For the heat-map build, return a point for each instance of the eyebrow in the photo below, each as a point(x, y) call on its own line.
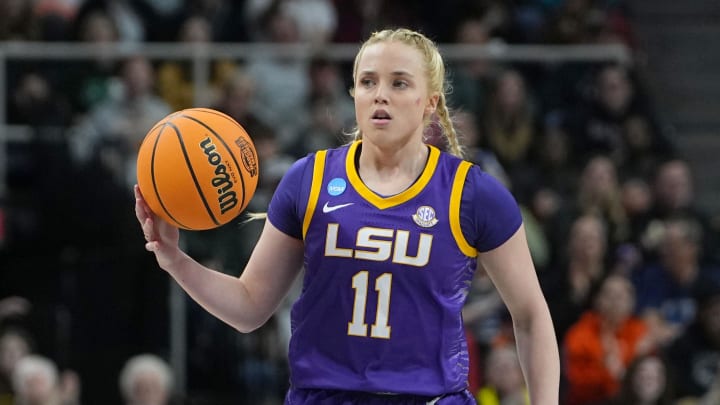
point(393, 73)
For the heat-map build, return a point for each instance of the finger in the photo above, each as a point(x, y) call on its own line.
point(148, 229)
point(140, 212)
point(141, 200)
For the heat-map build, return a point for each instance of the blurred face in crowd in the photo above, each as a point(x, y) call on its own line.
point(284, 29)
point(615, 89)
point(149, 389)
point(679, 252)
point(636, 196)
point(673, 186)
point(196, 29)
point(391, 93)
point(503, 370)
point(138, 75)
point(599, 177)
point(98, 28)
point(649, 379)
point(615, 300)
point(37, 389)
point(587, 239)
point(511, 91)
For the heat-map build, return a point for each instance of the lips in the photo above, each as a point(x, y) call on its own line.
point(380, 118)
point(381, 115)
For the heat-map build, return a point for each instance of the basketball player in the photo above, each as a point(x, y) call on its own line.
point(389, 231)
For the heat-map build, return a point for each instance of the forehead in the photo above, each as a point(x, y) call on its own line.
point(390, 57)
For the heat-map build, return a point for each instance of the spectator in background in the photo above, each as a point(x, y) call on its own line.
point(617, 122)
point(553, 160)
point(227, 18)
point(673, 196)
point(483, 313)
point(35, 381)
point(146, 379)
point(695, 355)
point(88, 82)
point(665, 288)
point(123, 14)
point(317, 19)
point(573, 280)
point(331, 109)
point(598, 193)
point(35, 102)
point(637, 201)
point(113, 130)
point(647, 381)
point(504, 384)
point(600, 346)
point(174, 78)
point(15, 344)
point(281, 83)
point(509, 123)
point(471, 136)
point(472, 80)
point(17, 21)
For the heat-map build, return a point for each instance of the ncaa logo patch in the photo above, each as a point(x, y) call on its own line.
point(425, 216)
point(336, 186)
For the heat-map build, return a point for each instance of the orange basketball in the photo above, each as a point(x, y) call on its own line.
point(197, 169)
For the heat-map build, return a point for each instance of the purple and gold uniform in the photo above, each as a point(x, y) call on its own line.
point(386, 276)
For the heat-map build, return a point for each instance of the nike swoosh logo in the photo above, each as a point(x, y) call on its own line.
point(327, 208)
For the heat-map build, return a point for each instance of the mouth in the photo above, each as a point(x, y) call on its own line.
point(380, 117)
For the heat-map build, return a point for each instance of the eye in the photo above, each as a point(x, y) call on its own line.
point(400, 84)
point(366, 82)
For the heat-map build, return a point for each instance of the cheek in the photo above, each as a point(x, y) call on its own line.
point(418, 101)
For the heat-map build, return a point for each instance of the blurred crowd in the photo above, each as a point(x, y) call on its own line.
point(627, 259)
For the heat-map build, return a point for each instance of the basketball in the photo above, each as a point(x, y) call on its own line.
point(197, 169)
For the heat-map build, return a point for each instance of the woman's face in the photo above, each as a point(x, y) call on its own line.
point(391, 94)
point(649, 380)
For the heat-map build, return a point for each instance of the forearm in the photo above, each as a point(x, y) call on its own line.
point(222, 295)
point(539, 356)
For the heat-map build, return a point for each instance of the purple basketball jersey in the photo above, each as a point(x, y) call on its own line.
point(385, 282)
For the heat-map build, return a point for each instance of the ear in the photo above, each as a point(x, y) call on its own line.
point(432, 103)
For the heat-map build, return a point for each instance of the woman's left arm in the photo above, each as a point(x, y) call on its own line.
point(513, 273)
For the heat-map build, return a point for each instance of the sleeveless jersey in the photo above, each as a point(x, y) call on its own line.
point(385, 282)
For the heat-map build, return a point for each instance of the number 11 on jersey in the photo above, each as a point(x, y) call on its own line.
point(383, 285)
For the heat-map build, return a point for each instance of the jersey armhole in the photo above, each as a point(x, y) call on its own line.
point(455, 199)
point(317, 181)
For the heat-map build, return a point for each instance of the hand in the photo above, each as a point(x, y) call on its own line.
point(161, 237)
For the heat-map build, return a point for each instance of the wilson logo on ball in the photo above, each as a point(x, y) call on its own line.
point(248, 156)
point(222, 182)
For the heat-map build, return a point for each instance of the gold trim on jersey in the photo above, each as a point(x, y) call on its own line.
point(455, 197)
point(397, 199)
point(317, 181)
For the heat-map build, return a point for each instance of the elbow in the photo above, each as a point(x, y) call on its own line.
point(246, 328)
point(532, 315)
point(249, 325)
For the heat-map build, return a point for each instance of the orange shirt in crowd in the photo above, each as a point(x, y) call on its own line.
point(588, 377)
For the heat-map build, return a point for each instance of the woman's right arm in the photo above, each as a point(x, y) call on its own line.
point(245, 303)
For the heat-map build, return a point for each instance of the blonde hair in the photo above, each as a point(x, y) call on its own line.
point(31, 366)
point(144, 363)
point(435, 70)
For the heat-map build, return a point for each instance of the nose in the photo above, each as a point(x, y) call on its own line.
point(381, 95)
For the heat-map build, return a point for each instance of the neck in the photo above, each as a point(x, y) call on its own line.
point(390, 170)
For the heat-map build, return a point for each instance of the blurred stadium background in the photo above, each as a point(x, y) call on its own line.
point(577, 105)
